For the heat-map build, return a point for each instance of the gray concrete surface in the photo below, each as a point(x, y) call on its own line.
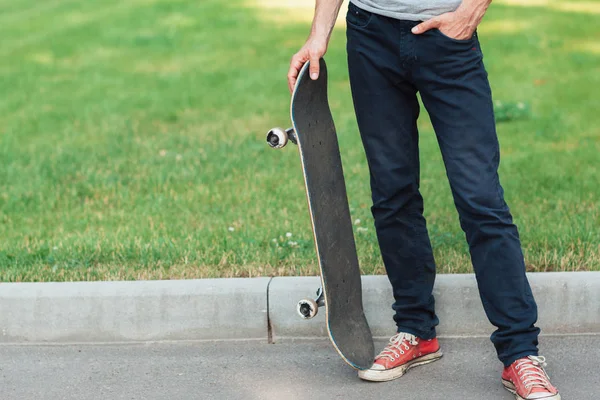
point(289, 370)
point(567, 302)
point(140, 310)
point(237, 308)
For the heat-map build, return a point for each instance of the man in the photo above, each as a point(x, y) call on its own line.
point(397, 48)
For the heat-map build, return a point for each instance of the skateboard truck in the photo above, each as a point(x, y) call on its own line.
point(308, 308)
point(278, 137)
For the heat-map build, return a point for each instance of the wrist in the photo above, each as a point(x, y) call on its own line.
point(474, 5)
point(319, 35)
point(319, 39)
point(473, 11)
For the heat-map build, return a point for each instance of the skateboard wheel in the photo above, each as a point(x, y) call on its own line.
point(307, 308)
point(277, 138)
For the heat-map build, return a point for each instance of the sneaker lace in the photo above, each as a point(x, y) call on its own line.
point(397, 346)
point(532, 374)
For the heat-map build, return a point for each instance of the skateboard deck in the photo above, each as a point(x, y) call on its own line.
point(314, 132)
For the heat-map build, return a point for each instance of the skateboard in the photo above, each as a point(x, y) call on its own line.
point(340, 293)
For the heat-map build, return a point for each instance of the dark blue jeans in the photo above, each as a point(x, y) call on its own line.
point(388, 65)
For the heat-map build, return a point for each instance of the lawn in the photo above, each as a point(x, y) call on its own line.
point(132, 140)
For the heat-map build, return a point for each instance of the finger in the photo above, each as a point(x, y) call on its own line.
point(314, 66)
point(426, 25)
point(295, 66)
point(291, 81)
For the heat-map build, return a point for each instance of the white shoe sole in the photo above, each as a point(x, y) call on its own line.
point(508, 385)
point(394, 373)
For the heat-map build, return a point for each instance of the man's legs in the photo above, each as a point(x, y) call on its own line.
point(454, 87)
point(387, 109)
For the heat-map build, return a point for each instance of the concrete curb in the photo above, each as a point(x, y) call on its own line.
point(260, 308)
point(133, 311)
point(568, 302)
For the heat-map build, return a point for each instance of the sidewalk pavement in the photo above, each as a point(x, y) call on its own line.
point(287, 370)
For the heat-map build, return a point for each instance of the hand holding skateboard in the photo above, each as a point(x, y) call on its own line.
point(311, 52)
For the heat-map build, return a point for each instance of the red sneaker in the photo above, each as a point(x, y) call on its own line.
point(527, 379)
point(403, 352)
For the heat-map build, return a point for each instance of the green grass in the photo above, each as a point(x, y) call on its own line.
point(132, 141)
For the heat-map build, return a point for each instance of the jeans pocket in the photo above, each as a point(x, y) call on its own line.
point(446, 37)
point(358, 17)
